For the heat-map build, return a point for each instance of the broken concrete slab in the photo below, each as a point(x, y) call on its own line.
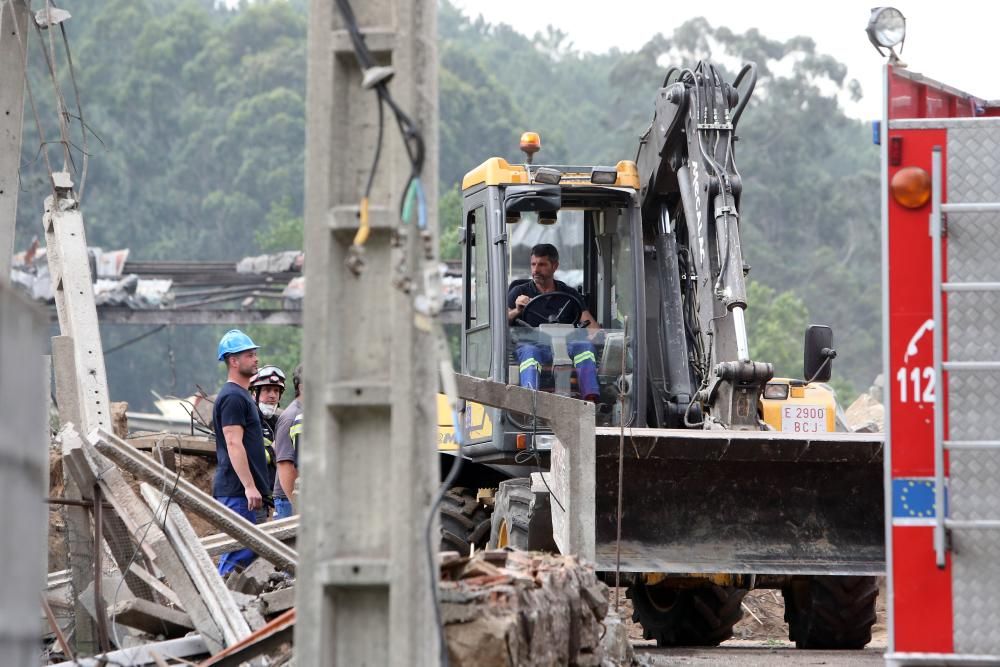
point(278, 601)
point(253, 580)
point(112, 593)
point(199, 566)
point(151, 618)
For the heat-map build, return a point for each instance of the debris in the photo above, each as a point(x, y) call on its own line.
point(866, 415)
point(198, 565)
point(536, 609)
point(194, 499)
point(185, 647)
point(279, 600)
point(119, 420)
point(281, 262)
point(152, 618)
point(615, 643)
point(281, 529)
point(140, 519)
point(268, 638)
point(50, 16)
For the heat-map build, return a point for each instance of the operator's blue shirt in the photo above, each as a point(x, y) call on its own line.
point(235, 407)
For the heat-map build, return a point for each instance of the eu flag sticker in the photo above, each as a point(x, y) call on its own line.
point(913, 499)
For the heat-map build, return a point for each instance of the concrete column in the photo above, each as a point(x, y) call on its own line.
point(368, 459)
point(13, 50)
point(23, 465)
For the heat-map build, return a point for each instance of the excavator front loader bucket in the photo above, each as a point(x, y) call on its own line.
point(740, 502)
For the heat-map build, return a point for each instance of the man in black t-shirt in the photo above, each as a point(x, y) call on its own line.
point(241, 479)
point(531, 356)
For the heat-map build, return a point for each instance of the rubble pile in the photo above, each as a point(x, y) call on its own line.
point(501, 609)
point(160, 592)
point(867, 414)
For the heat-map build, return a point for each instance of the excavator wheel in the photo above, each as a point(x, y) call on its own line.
point(522, 519)
point(511, 515)
point(465, 522)
point(831, 612)
point(702, 616)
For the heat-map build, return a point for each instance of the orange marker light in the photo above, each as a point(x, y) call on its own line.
point(522, 440)
point(530, 142)
point(911, 187)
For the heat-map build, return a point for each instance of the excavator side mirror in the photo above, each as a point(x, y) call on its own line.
point(819, 353)
point(541, 198)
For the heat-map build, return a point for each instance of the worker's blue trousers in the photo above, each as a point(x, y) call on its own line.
point(243, 557)
point(282, 508)
point(532, 356)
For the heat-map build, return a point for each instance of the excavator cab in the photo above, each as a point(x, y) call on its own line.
point(596, 231)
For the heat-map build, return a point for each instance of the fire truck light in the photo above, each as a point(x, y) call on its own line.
point(911, 187)
point(886, 27)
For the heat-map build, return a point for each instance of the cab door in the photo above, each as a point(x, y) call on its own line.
point(483, 311)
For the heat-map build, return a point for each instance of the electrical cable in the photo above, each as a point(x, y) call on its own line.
point(50, 56)
point(413, 141)
point(135, 340)
point(458, 419)
point(79, 108)
point(22, 51)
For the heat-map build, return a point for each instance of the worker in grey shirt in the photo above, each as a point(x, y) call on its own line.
point(285, 451)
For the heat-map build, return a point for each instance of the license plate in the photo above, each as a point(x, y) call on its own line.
point(803, 419)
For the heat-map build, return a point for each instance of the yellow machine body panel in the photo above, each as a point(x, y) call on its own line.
point(807, 409)
point(478, 424)
point(497, 171)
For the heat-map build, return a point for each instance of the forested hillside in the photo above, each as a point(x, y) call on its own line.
point(197, 118)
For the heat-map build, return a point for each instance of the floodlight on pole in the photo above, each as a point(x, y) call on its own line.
point(886, 29)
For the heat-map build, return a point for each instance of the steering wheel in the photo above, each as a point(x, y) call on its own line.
point(539, 311)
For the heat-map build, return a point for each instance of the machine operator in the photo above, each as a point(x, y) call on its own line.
point(531, 355)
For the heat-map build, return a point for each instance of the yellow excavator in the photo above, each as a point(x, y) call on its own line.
point(702, 476)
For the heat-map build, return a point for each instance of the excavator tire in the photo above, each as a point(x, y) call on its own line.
point(702, 616)
point(511, 519)
point(831, 612)
point(465, 522)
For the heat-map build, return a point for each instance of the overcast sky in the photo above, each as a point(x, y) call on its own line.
point(948, 40)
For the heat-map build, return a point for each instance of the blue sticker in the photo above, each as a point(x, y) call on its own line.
point(913, 499)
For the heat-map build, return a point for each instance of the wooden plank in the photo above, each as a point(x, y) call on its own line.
point(152, 618)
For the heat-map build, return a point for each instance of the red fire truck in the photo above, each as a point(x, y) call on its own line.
point(941, 350)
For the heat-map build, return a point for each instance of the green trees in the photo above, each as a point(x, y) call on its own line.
point(200, 111)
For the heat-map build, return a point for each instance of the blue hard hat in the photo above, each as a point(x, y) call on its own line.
point(234, 341)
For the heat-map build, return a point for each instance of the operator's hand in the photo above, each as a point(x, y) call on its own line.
point(521, 302)
point(254, 500)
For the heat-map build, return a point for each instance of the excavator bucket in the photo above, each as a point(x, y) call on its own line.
point(740, 502)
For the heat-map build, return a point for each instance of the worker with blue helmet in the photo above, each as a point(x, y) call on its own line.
point(241, 477)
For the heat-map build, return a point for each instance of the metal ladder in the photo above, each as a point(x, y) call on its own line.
point(938, 211)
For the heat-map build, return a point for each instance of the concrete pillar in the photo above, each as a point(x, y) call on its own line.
point(13, 50)
point(364, 593)
point(23, 464)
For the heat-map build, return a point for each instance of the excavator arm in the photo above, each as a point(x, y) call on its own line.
point(690, 196)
